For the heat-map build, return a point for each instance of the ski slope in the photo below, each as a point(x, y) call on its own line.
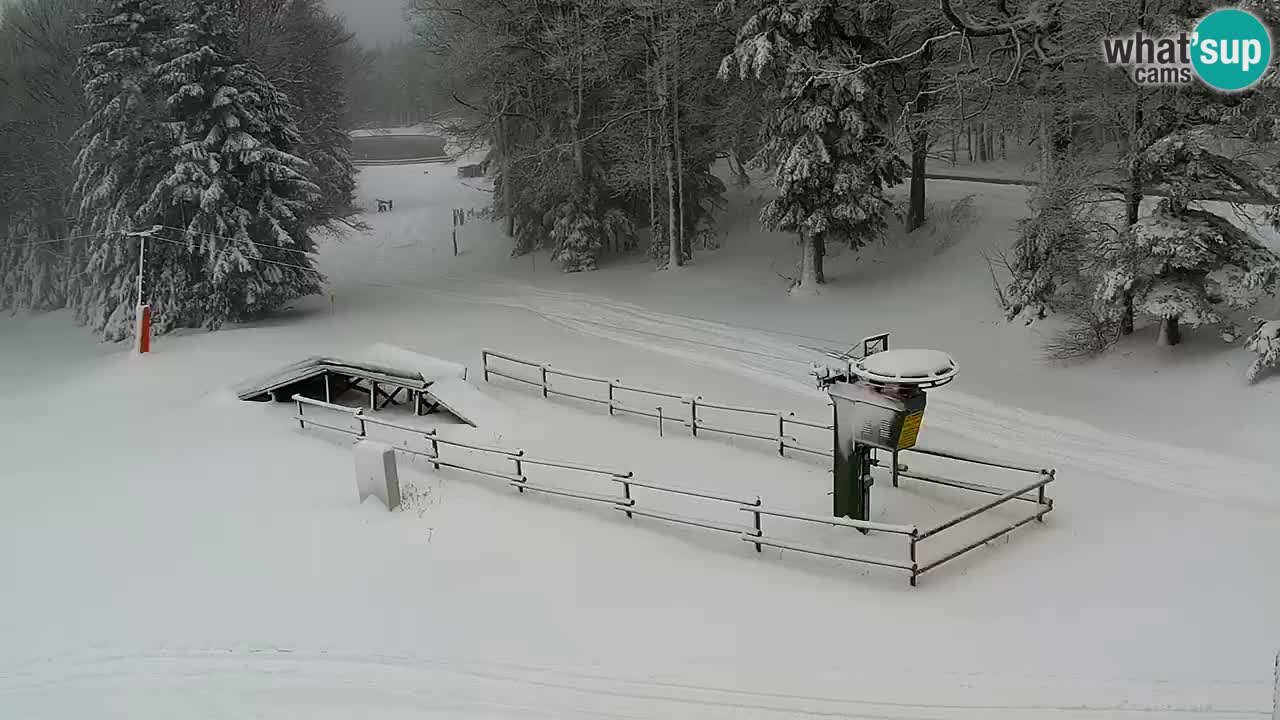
point(171, 551)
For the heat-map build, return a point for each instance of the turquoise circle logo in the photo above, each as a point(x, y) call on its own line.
point(1232, 50)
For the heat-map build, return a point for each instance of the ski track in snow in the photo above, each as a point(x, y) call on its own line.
point(369, 680)
point(762, 357)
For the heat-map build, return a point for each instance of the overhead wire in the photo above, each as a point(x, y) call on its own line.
point(555, 316)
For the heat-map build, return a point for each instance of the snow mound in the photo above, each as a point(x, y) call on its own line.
point(471, 405)
point(430, 368)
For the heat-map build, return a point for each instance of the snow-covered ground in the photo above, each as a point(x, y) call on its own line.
point(171, 551)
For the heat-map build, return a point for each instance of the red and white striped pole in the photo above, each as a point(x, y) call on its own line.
point(142, 319)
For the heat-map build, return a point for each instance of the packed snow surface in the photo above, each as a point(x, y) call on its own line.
point(173, 552)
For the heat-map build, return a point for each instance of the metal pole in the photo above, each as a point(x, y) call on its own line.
point(895, 468)
point(301, 423)
point(756, 524)
point(484, 364)
point(782, 436)
point(915, 568)
point(142, 251)
point(626, 493)
point(693, 415)
point(519, 471)
point(435, 450)
point(544, 381)
point(611, 401)
point(659, 421)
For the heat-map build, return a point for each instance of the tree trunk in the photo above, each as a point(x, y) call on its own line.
point(1004, 146)
point(968, 141)
point(919, 158)
point(1133, 199)
point(810, 265)
point(819, 242)
point(955, 148)
point(508, 187)
point(650, 141)
point(1126, 314)
point(1046, 147)
point(919, 145)
point(675, 258)
point(1170, 332)
point(684, 242)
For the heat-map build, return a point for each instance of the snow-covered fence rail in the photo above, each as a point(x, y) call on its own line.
point(1043, 506)
point(909, 531)
point(628, 484)
point(1043, 503)
point(689, 415)
point(754, 534)
point(516, 479)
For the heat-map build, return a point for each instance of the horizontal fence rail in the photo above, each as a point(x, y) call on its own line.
point(779, 435)
point(628, 503)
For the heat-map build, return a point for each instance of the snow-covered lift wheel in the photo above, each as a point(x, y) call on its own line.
point(907, 368)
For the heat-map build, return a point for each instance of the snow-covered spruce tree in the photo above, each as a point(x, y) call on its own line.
point(122, 150)
point(239, 196)
point(1265, 341)
point(1046, 257)
point(827, 136)
point(1184, 265)
point(579, 229)
point(32, 270)
point(301, 47)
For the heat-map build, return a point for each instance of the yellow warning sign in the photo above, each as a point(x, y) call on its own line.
point(910, 430)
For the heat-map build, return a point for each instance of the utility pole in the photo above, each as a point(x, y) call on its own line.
point(142, 321)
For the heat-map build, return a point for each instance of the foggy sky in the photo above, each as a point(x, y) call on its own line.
point(373, 21)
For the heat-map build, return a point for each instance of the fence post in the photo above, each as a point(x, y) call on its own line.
point(435, 448)
point(756, 524)
point(1040, 502)
point(626, 493)
point(915, 568)
point(484, 364)
point(359, 415)
point(301, 423)
point(543, 368)
point(519, 468)
point(610, 398)
point(693, 414)
point(660, 421)
point(782, 436)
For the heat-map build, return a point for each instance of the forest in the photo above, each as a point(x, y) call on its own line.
point(616, 126)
